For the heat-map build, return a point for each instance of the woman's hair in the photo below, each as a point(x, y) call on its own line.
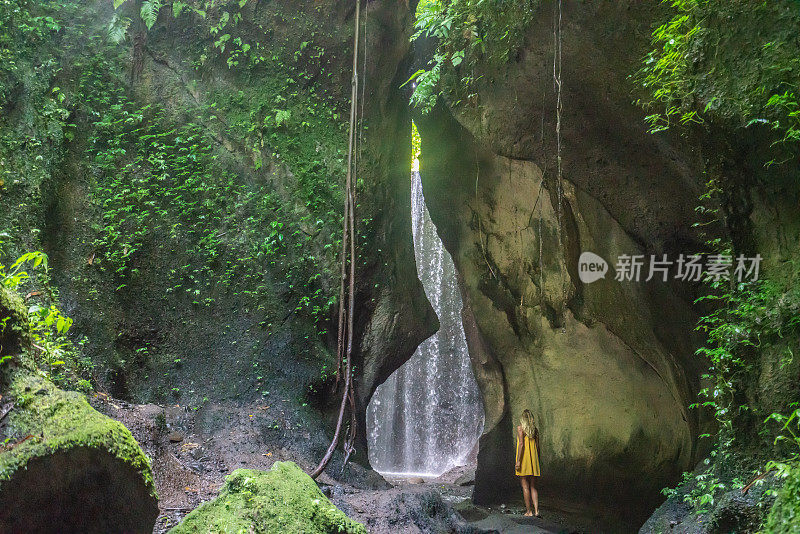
point(527, 424)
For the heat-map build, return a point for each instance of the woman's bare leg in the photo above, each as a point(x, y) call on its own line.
point(534, 494)
point(526, 494)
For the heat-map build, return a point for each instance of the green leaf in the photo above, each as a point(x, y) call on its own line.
point(177, 8)
point(149, 12)
point(118, 3)
point(414, 77)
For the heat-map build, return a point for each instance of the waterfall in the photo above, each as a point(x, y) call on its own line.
point(427, 417)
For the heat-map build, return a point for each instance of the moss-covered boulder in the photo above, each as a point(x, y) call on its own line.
point(784, 518)
point(64, 467)
point(283, 499)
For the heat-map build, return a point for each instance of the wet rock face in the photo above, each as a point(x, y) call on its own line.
point(608, 367)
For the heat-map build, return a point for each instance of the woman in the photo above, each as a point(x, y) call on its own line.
point(528, 461)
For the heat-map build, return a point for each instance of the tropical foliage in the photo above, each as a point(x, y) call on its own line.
point(735, 65)
point(737, 61)
point(470, 36)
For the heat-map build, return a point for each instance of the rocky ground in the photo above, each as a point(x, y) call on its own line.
point(193, 450)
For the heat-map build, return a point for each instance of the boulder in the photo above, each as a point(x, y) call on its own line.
point(283, 499)
point(64, 467)
point(730, 511)
point(608, 367)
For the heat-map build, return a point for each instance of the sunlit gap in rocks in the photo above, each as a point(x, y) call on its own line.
point(427, 417)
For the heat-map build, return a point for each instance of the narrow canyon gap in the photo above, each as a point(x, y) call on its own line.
point(427, 417)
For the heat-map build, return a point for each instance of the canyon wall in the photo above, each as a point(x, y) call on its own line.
point(608, 367)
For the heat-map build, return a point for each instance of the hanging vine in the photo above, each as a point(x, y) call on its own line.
point(348, 263)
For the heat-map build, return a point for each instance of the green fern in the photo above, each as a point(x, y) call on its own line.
point(177, 8)
point(149, 12)
point(118, 28)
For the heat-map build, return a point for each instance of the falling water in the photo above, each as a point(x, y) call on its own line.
point(427, 417)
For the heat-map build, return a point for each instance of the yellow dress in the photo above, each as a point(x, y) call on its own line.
point(530, 457)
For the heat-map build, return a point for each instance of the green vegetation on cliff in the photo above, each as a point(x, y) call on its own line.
point(785, 515)
point(735, 61)
point(214, 187)
point(471, 36)
point(727, 72)
point(40, 331)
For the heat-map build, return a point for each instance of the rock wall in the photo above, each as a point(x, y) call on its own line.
point(393, 313)
point(150, 336)
point(608, 367)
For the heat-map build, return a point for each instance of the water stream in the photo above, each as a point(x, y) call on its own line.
point(427, 417)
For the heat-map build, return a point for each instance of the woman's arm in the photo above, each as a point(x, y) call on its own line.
point(520, 442)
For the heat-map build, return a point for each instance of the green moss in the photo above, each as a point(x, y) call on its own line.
point(283, 499)
point(13, 321)
point(785, 514)
point(11, 304)
point(53, 420)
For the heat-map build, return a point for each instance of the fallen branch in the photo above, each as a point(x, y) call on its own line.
point(756, 479)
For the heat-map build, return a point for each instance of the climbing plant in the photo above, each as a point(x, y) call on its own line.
point(745, 321)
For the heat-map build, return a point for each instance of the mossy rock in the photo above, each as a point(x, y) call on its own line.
point(283, 499)
point(13, 322)
point(784, 518)
point(67, 468)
